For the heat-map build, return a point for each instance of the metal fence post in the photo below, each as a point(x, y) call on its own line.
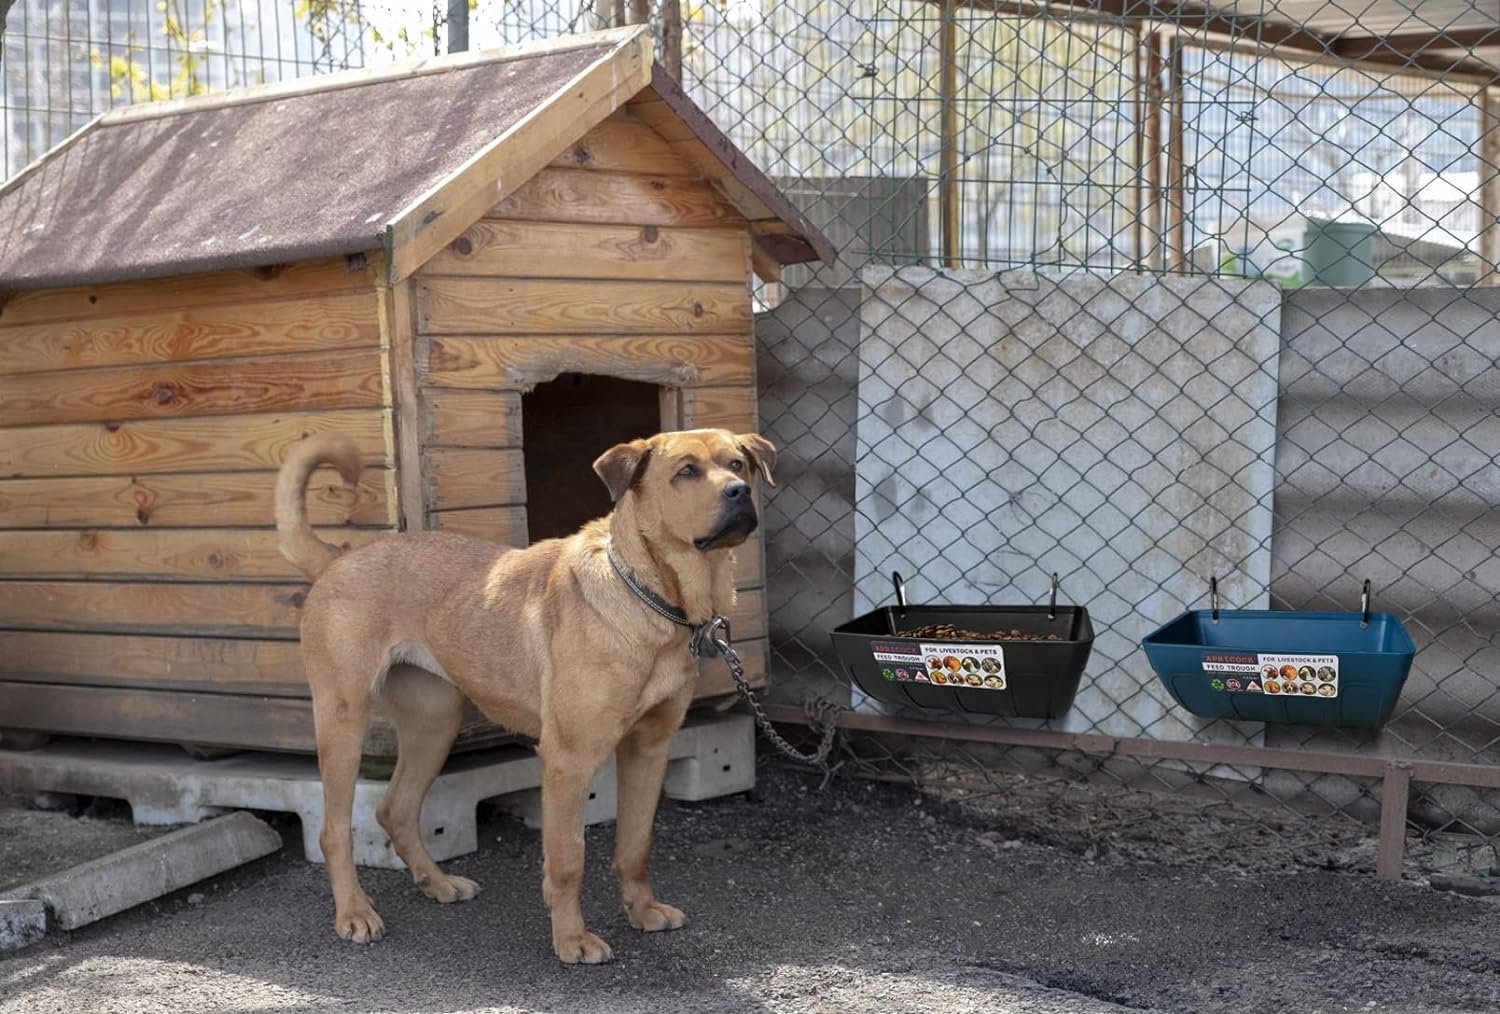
point(1489, 187)
point(948, 128)
point(458, 26)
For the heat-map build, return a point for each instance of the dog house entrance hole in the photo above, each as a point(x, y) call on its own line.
point(565, 424)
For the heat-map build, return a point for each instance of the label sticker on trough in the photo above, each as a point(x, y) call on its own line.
point(1277, 675)
point(975, 666)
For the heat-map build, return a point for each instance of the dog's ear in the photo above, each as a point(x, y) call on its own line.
point(622, 466)
point(761, 452)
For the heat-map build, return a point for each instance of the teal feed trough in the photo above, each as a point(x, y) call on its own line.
point(1299, 668)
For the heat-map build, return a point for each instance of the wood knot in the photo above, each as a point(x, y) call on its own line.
point(216, 560)
point(88, 541)
point(650, 233)
point(143, 515)
point(163, 393)
point(297, 599)
point(266, 272)
point(462, 246)
point(582, 155)
point(112, 427)
point(697, 309)
point(658, 184)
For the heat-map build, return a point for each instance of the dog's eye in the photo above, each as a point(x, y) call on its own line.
point(688, 471)
point(736, 465)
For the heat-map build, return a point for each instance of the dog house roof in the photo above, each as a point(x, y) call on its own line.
point(400, 159)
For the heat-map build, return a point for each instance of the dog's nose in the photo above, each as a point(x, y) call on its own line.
point(736, 492)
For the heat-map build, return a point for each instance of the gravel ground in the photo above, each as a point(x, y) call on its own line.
point(856, 898)
point(36, 842)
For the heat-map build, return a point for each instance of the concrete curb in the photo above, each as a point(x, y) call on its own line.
point(23, 921)
point(102, 887)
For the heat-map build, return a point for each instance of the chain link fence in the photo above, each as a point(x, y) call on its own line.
point(1133, 292)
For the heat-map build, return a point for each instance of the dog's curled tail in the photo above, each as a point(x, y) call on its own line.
point(295, 537)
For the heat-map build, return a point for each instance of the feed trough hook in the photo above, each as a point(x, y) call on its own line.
point(1364, 605)
point(1213, 597)
point(900, 589)
point(1052, 605)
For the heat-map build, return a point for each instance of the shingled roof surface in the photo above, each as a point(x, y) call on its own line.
point(207, 186)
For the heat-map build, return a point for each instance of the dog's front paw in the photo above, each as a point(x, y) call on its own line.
point(656, 916)
point(584, 948)
point(360, 923)
point(447, 889)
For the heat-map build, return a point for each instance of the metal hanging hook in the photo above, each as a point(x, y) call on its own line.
point(1213, 597)
point(1364, 605)
point(1052, 605)
point(900, 584)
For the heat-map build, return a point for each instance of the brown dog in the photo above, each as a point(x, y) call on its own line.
point(549, 641)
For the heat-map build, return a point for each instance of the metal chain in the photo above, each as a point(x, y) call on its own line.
point(819, 757)
point(822, 713)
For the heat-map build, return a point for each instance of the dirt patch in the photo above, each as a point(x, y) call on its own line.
point(1161, 811)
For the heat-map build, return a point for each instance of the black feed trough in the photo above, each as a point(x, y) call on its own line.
point(1025, 662)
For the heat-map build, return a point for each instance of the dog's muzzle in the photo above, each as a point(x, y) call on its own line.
point(736, 522)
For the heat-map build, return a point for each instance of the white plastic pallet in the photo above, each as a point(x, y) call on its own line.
point(163, 785)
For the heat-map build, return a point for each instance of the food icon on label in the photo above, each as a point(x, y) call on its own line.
point(1325, 674)
point(952, 663)
point(974, 679)
point(1269, 672)
point(934, 663)
point(989, 665)
point(939, 678)
point(970, 665)
point(1273, 687)
point(993, 682)
point(1306, 672)
point(1309, 689)
point(1289, 673)
point(1326, 690)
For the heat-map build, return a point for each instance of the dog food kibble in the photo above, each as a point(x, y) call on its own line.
point(948, 632)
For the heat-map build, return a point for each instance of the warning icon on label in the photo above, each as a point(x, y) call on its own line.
point(1254, 687)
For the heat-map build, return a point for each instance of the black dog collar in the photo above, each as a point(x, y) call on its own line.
point(704, 643)
point(658, 604)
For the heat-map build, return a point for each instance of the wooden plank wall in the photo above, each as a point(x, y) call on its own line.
point(141, 426)
point(617, 259)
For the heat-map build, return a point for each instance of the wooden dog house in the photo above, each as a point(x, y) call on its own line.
point(483, 268)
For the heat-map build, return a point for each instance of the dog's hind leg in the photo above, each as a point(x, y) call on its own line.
point(341, 716)
point(427, 712)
